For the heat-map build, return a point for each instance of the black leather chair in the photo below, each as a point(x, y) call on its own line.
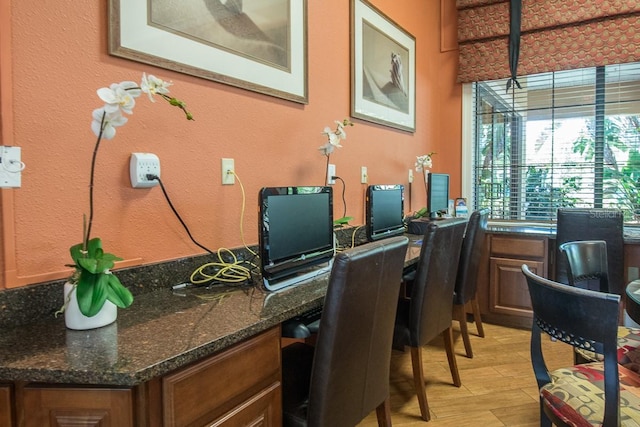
point(576, 224)
point(467, 277)
point(596, 393)
point(428, 311)
point(346, 375)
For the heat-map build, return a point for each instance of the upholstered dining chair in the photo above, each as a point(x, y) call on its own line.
point(428, 311)
point(467, 277)
point(575, 224)
point(587, 267)
point(592, 394)
point(345, 375)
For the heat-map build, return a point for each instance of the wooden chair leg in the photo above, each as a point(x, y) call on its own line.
point(418, 381)
point(383, 412)
point(476, 316)
point(461, 315)
point(447, 335)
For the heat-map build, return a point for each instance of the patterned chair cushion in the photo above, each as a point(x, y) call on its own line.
point(628, 349)
point(576, 395)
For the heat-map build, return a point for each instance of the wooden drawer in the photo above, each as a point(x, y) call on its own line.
point(6, 405)
point(263, 409)
point(516, 247)
point(207, 390)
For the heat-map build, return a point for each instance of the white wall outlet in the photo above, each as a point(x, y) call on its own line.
point(410, 176)
point(331, 172)
point(364, 178)
point(141, 165)
point(10, 167)
point(228, 172)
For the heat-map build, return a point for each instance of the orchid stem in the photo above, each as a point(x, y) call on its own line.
point(93, 167)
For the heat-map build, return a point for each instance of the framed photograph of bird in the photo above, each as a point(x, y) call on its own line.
point(255, 45)
point(383, 69)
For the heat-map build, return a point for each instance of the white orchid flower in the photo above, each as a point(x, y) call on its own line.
point(327, 148)
point(151, 85)
point(119, 96)
point(109, 124)
point(424, 163)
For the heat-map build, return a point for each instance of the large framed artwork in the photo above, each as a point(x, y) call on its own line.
point(255, 45)
point(383, 69)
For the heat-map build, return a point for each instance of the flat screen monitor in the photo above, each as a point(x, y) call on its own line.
point(384, 211)
point(295, 232)
point(437, 194)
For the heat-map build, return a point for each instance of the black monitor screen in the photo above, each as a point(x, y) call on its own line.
point(296, 228)
point(385, 210)
point(437, 193)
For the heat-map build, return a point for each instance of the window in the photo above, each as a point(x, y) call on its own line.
point(565, 139)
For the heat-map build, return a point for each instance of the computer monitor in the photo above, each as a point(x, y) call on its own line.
point(384, 211)
point(295, 233)
point(437, 194)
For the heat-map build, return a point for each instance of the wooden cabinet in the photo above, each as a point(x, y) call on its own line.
point(242, 383)
point(509, 302)
point(238, 386)
point(6, 405)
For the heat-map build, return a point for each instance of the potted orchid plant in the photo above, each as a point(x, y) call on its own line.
point(92, 282)
point(423, 164)
point(333, 141)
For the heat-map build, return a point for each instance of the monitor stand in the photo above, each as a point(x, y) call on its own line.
point(298, 276)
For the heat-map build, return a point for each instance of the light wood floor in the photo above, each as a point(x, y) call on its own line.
point(498, 386)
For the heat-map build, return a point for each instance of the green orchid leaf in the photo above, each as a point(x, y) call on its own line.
point(91, 292)
point(118, 294)
point(94, 246)
point(343, 220)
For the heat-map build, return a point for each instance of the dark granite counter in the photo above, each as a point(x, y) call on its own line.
point(160, 332)
point(631, 233)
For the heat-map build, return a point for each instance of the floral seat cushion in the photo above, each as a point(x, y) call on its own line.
point(628, 349)
point(576, 395)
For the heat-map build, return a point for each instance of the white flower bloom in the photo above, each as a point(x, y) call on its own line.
point(119, 96)
point(424, 163)
point(327, 148)
point(110, 122)
point(152, 85)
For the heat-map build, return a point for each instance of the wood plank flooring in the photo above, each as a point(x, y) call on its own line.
point(498, 385)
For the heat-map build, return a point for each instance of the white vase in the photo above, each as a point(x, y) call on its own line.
point(74, 319)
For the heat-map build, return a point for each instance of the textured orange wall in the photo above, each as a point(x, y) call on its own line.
point(56, 59)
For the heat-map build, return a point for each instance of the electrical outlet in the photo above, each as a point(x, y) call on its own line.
point(410, 176)
point(364, 178)
point(10, 167)
point(228, 170)
point(141, 165)
point(331, 172)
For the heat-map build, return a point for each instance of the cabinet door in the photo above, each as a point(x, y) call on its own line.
point(77, 406)
point(6, 405)
point(509, 293)
point(263, 409)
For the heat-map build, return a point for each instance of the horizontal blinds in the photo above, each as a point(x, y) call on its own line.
point(566, 139)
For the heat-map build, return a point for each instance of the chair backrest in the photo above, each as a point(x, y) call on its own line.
point(582, 318)
point(586, 263)
point(593, 224)
point(431, 310)
point(470, 256)
point(350, 374)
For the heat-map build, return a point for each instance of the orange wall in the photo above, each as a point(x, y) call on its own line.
point(53, 57)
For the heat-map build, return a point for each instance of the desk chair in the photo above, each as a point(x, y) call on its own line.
point(587, 263)
point(598, 393)
point(576, 224)
point(428, 312)
point(467, 277)
point(346, 375)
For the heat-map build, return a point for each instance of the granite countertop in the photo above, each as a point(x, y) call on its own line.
point(160, 332)
point(631, 233)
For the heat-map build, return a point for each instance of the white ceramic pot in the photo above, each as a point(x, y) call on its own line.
point(74, 319)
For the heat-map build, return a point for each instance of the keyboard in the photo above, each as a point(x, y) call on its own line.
point(303, 325)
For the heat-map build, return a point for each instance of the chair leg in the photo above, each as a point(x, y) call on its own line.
point(418, 381)
point(461, 315)
point(447, 335)
point(383, 412)
point(476, 316)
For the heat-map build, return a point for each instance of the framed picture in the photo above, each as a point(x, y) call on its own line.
point(255, 45)
point(383, 69)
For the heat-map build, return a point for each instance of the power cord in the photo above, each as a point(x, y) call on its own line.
point(344, 200)
point(222, 272)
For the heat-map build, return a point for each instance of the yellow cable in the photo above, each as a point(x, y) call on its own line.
point(242, 214)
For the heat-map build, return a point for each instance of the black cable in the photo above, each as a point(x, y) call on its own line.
point(344, 201)
point(166, 196)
